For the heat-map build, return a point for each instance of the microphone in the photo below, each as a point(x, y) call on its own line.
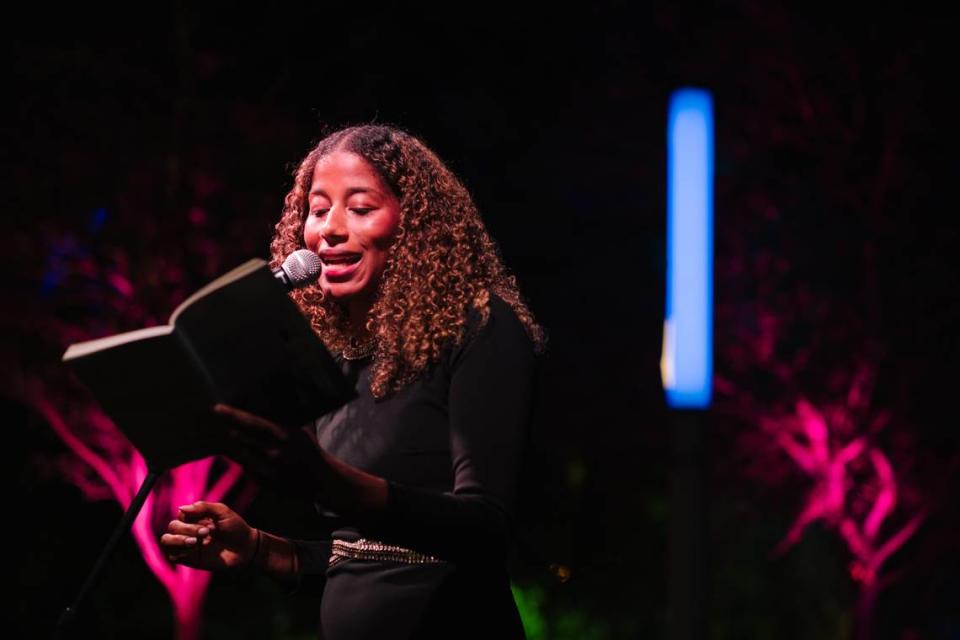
point(299, 269)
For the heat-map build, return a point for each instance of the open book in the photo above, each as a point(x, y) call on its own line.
point(239, 340)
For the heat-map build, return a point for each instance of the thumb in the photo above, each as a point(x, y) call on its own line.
point(201, 508)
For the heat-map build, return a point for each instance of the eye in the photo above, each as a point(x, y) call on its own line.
point(361, 210)
point(317, 213)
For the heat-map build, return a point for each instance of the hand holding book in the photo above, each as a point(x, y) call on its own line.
point(291, 461)
point(286, 460)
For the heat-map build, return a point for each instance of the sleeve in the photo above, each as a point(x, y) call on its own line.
point(312, 559)
point(490, 399)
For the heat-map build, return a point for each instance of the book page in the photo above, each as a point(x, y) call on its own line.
point(231, 276)
point(81, 349)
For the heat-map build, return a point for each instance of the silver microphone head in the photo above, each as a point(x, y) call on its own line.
point(302, 267)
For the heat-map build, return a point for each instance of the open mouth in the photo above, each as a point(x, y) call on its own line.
point(339, 267)
point(341, 260)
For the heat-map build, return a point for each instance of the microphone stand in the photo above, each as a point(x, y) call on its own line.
point(69, 615)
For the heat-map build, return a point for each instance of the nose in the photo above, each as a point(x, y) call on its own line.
point(334, 226)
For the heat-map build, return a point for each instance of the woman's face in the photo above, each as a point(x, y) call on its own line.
point(351, 222)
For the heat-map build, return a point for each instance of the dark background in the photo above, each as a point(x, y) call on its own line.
point(159, 142)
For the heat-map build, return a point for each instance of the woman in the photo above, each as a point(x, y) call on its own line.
point(415, 478)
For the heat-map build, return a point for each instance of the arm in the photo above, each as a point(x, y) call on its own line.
point(491, 389)
point(211, 536)
point(490, 397)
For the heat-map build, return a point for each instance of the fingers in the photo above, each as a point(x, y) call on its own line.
point(201, 508)
point(182, 538)
point(253, 425)
point(240, 442)
point(256, 463)
point(183, 549)
point(200, 530)
point(249, 457)
point(174, 543)
point(201, 534)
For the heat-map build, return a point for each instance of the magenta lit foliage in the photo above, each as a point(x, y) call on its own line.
point(117, 473)
point(812, 178)
point(89, 291)
point(796, 368)
point(853, 488)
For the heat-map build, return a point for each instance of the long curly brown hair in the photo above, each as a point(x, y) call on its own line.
point(442, 263)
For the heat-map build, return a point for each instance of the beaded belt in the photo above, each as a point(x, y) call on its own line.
point(364, 549)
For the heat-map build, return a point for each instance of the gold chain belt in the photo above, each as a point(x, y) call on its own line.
point(364, 549)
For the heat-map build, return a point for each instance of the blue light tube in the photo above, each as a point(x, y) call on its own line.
point(687, 361)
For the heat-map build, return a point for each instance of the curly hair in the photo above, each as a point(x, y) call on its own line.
point(442, 262)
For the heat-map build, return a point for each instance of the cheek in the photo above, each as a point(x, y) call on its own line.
point(309, 235)
point(382, 231)
point(379, 261)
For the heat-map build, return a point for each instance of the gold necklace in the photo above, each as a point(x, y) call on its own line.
point(357, 350)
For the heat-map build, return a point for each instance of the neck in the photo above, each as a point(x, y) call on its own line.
point(357, 312)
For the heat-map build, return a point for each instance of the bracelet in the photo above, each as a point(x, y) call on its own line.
point(256, 552)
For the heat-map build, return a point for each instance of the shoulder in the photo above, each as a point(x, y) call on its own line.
point(496, 329)
point(500, 309)
point(498, 319)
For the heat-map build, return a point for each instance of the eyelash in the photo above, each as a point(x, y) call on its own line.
point(358, 210)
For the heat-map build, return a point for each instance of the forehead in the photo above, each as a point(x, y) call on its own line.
point(343, 169)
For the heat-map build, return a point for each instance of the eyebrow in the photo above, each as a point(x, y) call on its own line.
point(350, 191)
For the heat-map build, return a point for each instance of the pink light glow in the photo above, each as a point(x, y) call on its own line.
point(834, 441)
point(805, 437)
point(122, 469)
point(121, 284)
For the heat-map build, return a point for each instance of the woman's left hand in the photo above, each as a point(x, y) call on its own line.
point(288, 460)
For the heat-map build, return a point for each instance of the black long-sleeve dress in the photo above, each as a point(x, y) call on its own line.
point(449, 446)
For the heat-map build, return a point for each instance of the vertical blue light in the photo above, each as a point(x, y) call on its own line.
point(687, 361)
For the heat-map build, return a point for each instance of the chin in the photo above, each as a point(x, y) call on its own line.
point(342, 291)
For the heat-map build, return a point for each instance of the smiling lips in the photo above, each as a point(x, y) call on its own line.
point(339, 264)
